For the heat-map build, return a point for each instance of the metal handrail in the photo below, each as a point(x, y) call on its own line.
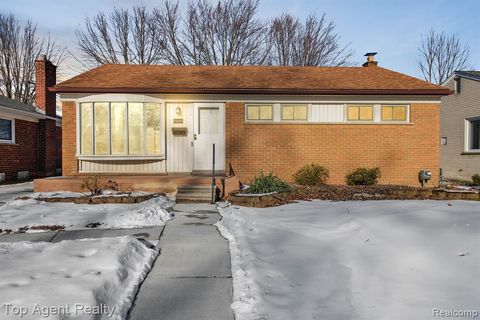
point(213, 175)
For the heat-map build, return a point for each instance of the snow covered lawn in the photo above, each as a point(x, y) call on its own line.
point(79, 279)
point(355, 260)
point(20, 213)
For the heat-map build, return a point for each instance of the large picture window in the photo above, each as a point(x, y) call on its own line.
point(6, 130)
point(120, 128)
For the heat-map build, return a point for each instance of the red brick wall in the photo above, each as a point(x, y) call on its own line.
point(23, 155)
point(399, 150)
point(58, 139)
point(47, 140)
point(45, 76)
point(69, 140)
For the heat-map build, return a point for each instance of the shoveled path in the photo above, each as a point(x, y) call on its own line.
point(191, 278)
point(146, 233)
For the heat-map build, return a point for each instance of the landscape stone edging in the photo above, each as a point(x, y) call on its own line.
point(101, 199)
point(275, 199)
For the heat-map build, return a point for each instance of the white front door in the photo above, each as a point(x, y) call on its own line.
point(208, 129)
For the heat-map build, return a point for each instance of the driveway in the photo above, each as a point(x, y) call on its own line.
point(11, 191)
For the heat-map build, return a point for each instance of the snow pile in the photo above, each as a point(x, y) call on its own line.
point(20, 213)
point(80, 278)
point(104, 193)
point(354, 260)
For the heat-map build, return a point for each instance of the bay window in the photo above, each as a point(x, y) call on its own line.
point(121, 128)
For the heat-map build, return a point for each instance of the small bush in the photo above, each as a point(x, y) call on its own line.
point(267, 184)
point(311, 175)
point(476, 179)
point(92, 184)
point(363, 177)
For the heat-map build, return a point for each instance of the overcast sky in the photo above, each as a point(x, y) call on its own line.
point(392, 28)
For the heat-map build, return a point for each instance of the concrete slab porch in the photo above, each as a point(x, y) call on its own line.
point(161, 183)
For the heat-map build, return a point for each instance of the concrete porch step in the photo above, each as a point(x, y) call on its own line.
point(195, 189)
point(194, 193)
point(193, 197)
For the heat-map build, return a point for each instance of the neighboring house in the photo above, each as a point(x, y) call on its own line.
point(30, 137)
point(460, 126)
point(156, 120)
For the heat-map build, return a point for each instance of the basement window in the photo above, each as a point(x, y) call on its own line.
point(7, 130)
point(121, 129)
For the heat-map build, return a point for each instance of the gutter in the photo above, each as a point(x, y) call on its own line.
point(282, 91)
point(27, 114)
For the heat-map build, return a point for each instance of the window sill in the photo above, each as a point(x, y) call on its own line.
point(129, 157)
point(470, 153)
point(11, 143)
point(385, 123)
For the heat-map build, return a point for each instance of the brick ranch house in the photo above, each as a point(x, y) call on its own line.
point(159, 120)
point(30, 136)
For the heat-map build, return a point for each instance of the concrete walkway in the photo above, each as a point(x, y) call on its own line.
point(191, 278)
point(11, 191)
point(147, 234)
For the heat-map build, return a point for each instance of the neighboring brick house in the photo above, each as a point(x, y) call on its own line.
point(460, 126)
point(30, 137)
point(158, 120)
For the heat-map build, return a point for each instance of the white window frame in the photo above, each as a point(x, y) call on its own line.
point(282, 105)
point(407, 113)
point(245, 111)
point(468, 134)
point(11, 141)
point(126, 156)
point(360, 105)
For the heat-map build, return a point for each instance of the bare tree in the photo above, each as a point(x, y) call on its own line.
point(122, 37)
point(314, 43)
point(20, 45)
point(222, 33)
point(226, 32)
point(440, 55)
point(168, 21)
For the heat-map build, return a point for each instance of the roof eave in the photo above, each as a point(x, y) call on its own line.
point(281, 91)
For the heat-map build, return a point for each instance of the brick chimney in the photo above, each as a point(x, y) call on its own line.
point(370, 60)
point(45, 76)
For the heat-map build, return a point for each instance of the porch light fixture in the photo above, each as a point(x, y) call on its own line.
point(178, 111)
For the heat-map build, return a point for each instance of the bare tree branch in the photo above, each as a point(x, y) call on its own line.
point(439, 55)
point(123, 37)
point(313, 44)
point(20, 45)
point(226, 32)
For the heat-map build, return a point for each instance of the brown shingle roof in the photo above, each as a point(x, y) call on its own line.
point(112, 78)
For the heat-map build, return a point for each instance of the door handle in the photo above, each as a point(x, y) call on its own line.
point(194, 136)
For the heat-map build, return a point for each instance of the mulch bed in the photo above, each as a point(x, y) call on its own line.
point(349, 193)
